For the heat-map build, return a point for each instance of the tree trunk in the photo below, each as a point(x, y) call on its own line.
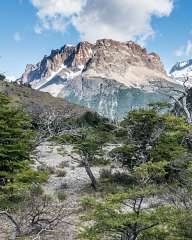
point(90, 174)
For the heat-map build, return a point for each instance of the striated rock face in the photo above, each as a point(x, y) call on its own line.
point(110, 77)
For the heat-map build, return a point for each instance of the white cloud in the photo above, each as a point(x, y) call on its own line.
point(17, 36)
point(51, 8)
point(184, 51)
point(94, 19)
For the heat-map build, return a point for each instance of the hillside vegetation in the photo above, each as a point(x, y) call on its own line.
point(36, 102)
point(84, 177)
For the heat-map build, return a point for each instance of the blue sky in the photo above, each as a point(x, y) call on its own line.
point(32, 28)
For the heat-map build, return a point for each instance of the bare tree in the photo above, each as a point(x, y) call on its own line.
point(50, 123)
point(180, 98)
point(36, 215)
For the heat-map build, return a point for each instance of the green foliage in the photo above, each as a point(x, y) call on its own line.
point(113, 223)
point(15, 147)
point(160, 105)
point(66, 139)
point(88, 149)
point(100, 161)
point(157, 159)
point(15, 138)
point(154, 137)
point(126, 155)
point(29, 176)
point(62, 165)
point(61, 194)
point(120, 178)
point(142, 123)
point(90, 119)
point(180, 223)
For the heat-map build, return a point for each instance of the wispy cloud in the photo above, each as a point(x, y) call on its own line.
point(17, 36)
point(93, 19)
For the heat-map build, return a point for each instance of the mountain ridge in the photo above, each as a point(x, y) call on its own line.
point(95, 75)
point(181, 70)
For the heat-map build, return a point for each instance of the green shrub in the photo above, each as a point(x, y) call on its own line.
point(63, 164)
point(120, 178)
point(61, 195)
point(31, 176)
point(105, 174)
point(100, 162)
point(66, 139)
point(46, 168)
point(61, 151)
point(123, 178)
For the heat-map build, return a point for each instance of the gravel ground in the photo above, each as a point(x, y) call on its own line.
point(73, 184)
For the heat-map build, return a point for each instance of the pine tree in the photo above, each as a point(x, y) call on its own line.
point(15, 148)
point(15, 137)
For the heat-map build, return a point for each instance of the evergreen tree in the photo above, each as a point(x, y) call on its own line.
point(154, 137)
point(158, 158)
point(15, 135)
point(15, 147)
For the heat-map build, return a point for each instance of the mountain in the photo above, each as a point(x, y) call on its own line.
point(37, 103)
point(109, 77)
point(181, 70)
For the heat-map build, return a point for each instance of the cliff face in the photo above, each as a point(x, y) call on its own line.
point(110, 77)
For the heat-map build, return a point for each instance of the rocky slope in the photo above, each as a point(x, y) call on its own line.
point(109, 77)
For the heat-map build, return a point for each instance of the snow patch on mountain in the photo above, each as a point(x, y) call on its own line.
point(109, 76)
point(41, 82)
point(182, 69)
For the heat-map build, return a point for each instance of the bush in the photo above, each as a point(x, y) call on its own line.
point(100, 162)
point(120, 178)
point(30, 176)
point(105, 173)
point(63, 186)
point(61, 151)
point(91, 119)
point(123, 178)
point(61, 195)
point(66, 139)
point(44, 168)
point(63, 164)
point(61, 173)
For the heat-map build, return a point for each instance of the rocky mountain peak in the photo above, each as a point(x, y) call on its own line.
point(82, 53)
point(105, 50)
point(98, 75)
